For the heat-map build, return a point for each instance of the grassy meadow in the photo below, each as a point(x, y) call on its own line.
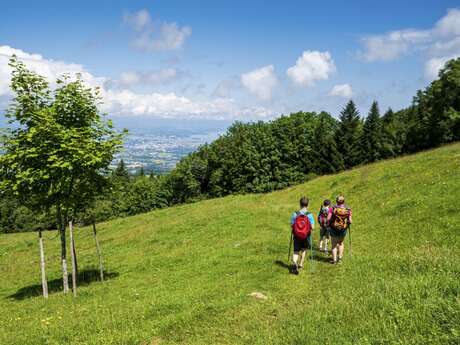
point(183, 275)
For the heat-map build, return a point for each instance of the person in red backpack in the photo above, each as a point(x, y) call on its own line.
point(302, 224)
point(339, 219)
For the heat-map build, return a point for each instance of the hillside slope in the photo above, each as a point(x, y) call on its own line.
point(183, 275)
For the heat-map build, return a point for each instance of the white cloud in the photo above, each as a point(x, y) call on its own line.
point(450, 47)
point(342, 90)
point(150, 37)
point(171, 105)
point(449, 24)
point(392, 45)
point(50, 69)
point(260, 82)
point(434, 65)
point(125, 102)
point(162, 76)
point(310, 67)
point(439, 44)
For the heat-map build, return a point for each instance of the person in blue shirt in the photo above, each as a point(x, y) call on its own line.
point(301, 246)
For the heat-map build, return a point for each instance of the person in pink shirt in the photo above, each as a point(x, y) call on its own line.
point(339, 220)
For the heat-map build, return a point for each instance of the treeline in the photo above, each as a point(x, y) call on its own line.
point(265, 156)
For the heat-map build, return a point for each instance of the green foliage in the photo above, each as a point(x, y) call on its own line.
point(59, 153)
point(183, 275)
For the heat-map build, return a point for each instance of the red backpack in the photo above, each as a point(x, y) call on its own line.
point(301, 227)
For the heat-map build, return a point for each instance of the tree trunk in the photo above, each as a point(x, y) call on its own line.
point(99, 254)
point(42, 265)
point(74, 267)
point(62, 226)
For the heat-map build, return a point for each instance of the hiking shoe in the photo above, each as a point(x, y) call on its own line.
point(295, 268)
point(334, 262)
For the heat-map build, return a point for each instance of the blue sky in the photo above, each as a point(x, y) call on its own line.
point(229, 60)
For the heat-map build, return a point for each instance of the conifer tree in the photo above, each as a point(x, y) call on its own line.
point(121, 171)
point(326, 159)
point(391, 146)
point(348, 134)
point(372, 136)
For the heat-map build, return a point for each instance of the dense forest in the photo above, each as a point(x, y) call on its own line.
point(264, 156)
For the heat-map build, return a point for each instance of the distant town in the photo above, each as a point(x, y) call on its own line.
point(158, 152)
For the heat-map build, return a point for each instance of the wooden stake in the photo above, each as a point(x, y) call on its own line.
point(65, 277)
point(99, 254)
point(74, 267)
point(42, 265)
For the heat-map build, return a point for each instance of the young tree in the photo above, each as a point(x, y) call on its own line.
point(348, 134)
point(58, 154)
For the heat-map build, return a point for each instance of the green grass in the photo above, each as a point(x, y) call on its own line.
point(182, 275)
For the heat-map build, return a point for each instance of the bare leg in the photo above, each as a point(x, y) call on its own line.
point(341, 247)
point(302, 257)
point(295, 257)
point(334, 248)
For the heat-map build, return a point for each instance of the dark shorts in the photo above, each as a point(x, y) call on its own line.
point(338, 233)
point(300, 245)
point(324, 232)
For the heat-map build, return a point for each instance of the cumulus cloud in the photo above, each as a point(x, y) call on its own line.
point(260, 82)
point(170, 105)
point(310, 67)
point(155, 37)
point(439, 43)
point(124, 102)
point(341, 90)
point(449, 24)
point(50, 69)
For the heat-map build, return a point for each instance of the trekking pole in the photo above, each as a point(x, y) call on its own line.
point(289, 252)
point(351, 252)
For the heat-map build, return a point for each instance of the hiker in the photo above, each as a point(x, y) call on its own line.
point(339, 219)
point(324, 235)
point(302, 223)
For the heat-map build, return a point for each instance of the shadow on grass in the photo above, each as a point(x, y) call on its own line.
point(282, 264)
point(322, 258)
point(84, 278)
